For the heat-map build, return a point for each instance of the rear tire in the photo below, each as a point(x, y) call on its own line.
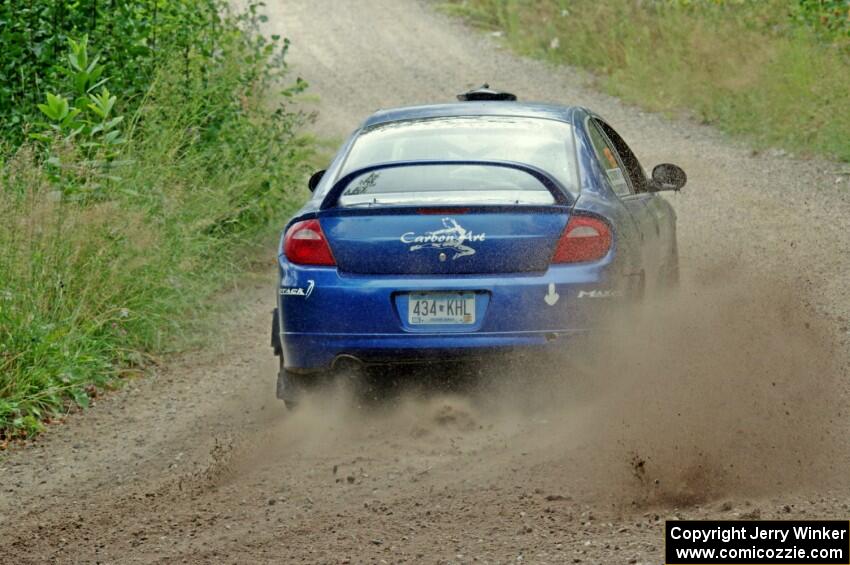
point(275, 341)
point(287, 382)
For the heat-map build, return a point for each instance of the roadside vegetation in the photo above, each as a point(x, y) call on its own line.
point(774, 71)
point(143, 145)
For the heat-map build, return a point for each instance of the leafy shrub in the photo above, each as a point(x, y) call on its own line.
point(121, 216)
point(138, 36)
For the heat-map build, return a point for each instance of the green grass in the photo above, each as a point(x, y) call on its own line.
point(110, 253)
point(774, 71)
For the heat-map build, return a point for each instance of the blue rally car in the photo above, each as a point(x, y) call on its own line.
point(452, 230)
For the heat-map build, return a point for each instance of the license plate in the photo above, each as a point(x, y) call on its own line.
point(441, 308)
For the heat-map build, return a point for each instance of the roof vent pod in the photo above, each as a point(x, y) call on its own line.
point(485, 93)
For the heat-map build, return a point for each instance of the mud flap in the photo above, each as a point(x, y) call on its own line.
point(284, 387)
point(288, 388)
point(670, 270)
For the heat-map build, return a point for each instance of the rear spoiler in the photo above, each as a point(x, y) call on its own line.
point(559, 193)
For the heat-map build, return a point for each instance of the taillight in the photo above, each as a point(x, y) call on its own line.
point(584, 239)
point(305, 244)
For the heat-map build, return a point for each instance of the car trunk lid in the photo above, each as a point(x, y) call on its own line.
point(410, 242)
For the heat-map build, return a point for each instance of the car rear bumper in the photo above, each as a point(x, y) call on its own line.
point(306, 352)
point(325, 315)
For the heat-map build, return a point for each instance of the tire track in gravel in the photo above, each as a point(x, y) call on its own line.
point(201, 464)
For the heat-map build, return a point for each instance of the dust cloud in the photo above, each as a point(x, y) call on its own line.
point(729, 387)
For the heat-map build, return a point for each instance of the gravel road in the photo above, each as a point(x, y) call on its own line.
point(728, 400)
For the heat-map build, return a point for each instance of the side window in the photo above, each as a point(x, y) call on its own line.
point(633, 167)
point(607, 156)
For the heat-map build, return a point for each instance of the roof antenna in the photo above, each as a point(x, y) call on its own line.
point(484, 92)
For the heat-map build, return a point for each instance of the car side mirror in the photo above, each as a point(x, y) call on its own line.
point(315, 178)
point(667, 176)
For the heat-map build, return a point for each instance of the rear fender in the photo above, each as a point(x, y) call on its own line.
point(626, 234)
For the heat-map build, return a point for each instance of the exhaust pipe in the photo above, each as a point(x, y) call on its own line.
point(349, 364)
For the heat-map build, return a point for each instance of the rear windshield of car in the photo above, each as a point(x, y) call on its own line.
point(445, 184)
point(546, 144)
